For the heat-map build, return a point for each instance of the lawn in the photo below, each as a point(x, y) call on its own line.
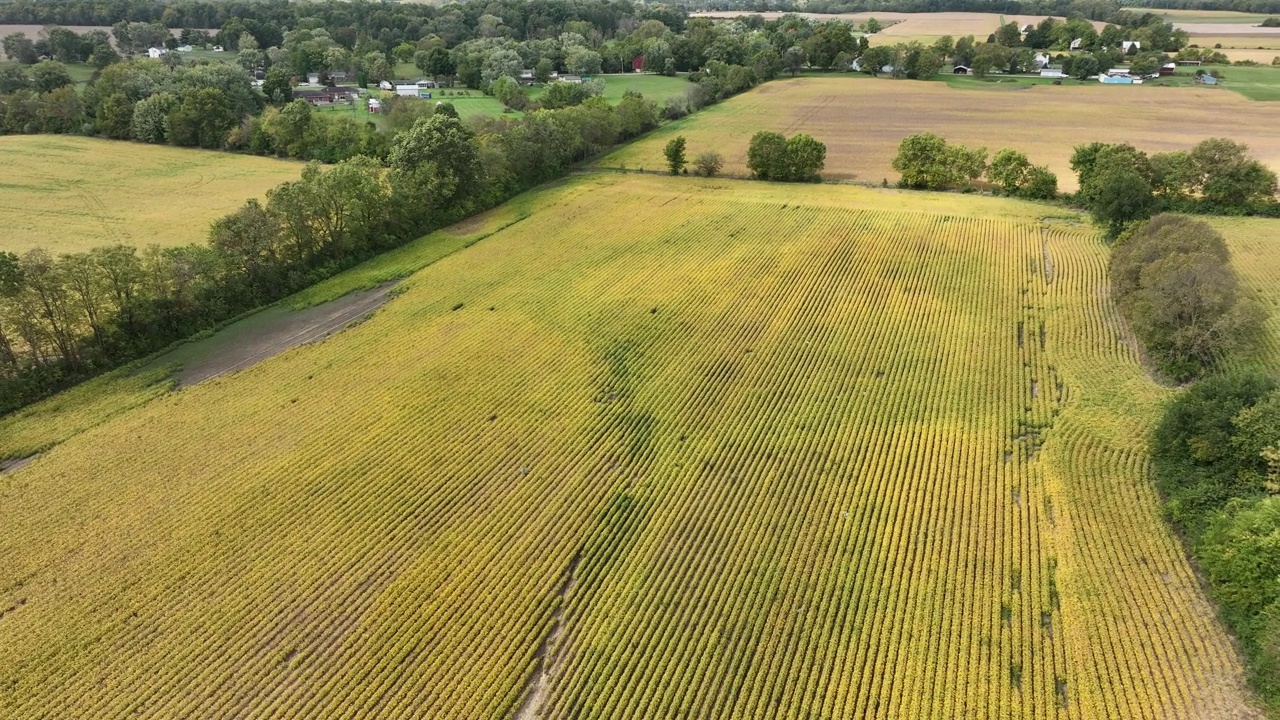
point(80, 73)
point(1255, 83)
point(861, 120)
point(358, 110)
point(736, 447)
point(67, 193)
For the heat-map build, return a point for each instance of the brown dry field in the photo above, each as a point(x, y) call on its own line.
point(862, 120)
point(1219, 29)
point(1270, 42)
point(913, 26)
point(1262, 57)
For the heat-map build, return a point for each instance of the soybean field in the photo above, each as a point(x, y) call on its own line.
point(664, 447)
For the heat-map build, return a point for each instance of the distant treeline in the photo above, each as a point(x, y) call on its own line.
point(388, 23)
point(63, 319)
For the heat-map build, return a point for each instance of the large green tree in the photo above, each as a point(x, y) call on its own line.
point(1173, 279)
point(674, 152)
point(202, 118)
point(436, 173)
point(767, 156)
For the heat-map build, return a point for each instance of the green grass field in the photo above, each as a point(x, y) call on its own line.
point(358, 110)
point(80, 73)
point(630, 447)
point(476, 104)
point(67, 193)
point(1256, 83)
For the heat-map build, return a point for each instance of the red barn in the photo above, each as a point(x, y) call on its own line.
point(637, 64)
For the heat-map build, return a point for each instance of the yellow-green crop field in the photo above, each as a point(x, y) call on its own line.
point(68, 194)
point(665, 447)
point(863, 119)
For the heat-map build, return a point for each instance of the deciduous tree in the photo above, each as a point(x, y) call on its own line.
point(674, 152)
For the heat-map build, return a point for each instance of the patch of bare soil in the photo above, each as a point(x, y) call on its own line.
point(539, 685)
point(15, 464)
point(271, 332)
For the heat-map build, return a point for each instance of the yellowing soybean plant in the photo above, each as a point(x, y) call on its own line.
point(663, 448)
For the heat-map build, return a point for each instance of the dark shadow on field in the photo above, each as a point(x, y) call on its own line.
point(265, 334)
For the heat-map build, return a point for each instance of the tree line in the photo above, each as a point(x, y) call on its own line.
point(65, 318)
point(1120, 184)
point(928, 162)
point(1216, 450)
point(1216, 455)
point(476, 49)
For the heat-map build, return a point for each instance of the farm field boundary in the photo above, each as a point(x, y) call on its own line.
point(729, 448)
point(862, 120)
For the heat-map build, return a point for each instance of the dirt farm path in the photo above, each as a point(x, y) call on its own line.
point(271, 332)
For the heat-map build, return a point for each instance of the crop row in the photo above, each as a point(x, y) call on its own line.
point(669, 453)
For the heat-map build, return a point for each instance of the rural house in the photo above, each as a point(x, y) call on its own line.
point(574, 79)
point(1041, 60)
point(1168, 69)
point(1077, 43)
point(1055, 73)
point(527, 76)
point(1124, 46)
point(960, 70)
point(156, 52)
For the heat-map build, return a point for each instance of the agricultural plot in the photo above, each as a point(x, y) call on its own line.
point(863, 119)
point(68, 194)
point(1197, 16)
point(1255, 253)
point(904, 27)
point(664, 447)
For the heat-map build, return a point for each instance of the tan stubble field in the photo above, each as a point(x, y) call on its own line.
point(862, 120)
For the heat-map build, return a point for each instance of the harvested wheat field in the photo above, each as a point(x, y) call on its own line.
point(68, 194)
point(663, 448)
point(862, 120)
point(911, 26)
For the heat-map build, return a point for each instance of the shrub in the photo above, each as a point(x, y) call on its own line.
point(708, 164)
point(1041, 184)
